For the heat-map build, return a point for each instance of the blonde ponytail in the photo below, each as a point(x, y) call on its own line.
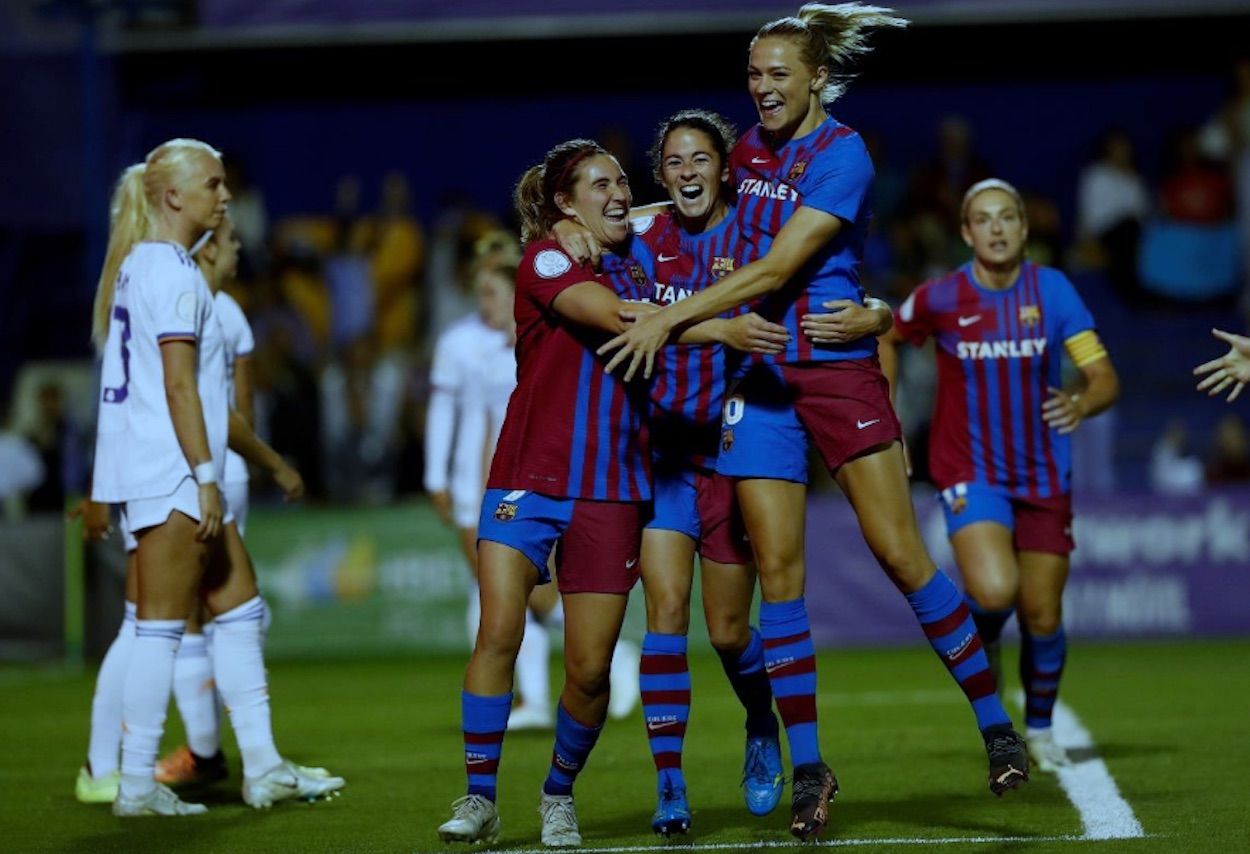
point(128, 223)
point(528, 200)
point(138, 192)
point(832, 36)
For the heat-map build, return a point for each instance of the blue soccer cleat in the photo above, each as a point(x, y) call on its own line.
point(762, 777)
point(672, 815)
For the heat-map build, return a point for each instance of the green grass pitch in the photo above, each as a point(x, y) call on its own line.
point(1169, 719)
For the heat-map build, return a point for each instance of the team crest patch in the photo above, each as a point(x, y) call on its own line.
point(638, 274)
point(552, 264)
point(506, 511)
point(1030, 315)
point(797, 170)
point(726, 440)
point(956, 498)
point(722, 267)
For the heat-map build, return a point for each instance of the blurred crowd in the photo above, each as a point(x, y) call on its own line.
point(346, 304)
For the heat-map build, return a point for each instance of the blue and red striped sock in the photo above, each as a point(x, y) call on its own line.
point(1041, 666)
point(574, 741)
point(790, 661)
point(750, 682)
point(664, 678)
point(948, 624)
point(484, 720)
point(989, 623)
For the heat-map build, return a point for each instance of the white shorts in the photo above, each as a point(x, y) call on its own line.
point(466, 508)
point(147, 512)
point(235, 493)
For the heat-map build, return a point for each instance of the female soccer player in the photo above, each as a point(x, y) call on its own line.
point(160, 450)
point(803, 182)
point(571, 470)
point(1000, 452)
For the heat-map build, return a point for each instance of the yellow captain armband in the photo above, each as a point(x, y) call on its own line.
point(1084, 348)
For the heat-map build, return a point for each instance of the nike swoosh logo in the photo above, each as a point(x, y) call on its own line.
point(862, 424)
point(659, 725)
point(758, 160)
point(664, 258)
point(968, 321)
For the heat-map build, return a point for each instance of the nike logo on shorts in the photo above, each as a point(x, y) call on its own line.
point(862, 424)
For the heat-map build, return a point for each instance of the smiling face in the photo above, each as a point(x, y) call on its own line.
point(994, 228)
point(785, 89)
point(599, 199)
point(693, 172)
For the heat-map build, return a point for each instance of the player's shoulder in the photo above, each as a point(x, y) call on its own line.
point(1048, 278)
point(227, 305)
point(462, 331)
point(163, 255)
point(543, 260)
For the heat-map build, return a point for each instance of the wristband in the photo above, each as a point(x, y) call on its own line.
point(205, 473)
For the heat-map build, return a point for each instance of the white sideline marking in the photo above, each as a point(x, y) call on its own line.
point(832, 843)
point(1089, 785)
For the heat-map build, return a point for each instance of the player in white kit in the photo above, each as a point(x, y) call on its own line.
point(160, 450)
point(472, 378)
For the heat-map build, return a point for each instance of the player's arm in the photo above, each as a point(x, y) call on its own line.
point(580, 245)
point(244, 442)
point(1065, 411)
point(591, 304)
point(178, 359)
point(244, 399)
point(749, 333)
point(797, 242)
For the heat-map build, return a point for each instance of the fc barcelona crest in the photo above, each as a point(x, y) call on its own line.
point(638, 275)
point(727, 440)
point(797, 170)
point(1030, 315)
point(506, 511)
point(722, 267)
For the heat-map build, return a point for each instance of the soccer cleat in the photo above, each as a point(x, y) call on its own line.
point(1048, 756)
point(288, 781)
point(994, 655)
point(814, 787)
point(89, 790)
point(1009, 759)
point(160, 801)
point(181, 767)
point(529, 717)
point(762, 778)
point(672, 814)
point(623, 679)
point(559, 821)
point(474, 818)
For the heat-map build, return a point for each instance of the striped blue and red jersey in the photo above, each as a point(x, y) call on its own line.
point(997, 352)
point(828, 170)
point(689, 387)
point(571, 431)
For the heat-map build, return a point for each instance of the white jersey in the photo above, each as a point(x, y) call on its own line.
point(473, 376)
point(160, 296)
point(239, 344)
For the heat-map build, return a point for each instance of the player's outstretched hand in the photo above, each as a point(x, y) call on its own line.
point(1231, 369)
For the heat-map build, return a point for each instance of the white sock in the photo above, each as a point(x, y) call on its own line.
point(105, 745)
point(144, 700)
point(195, 695)
point(240, 670)
point(473, 615)
point(532, 662)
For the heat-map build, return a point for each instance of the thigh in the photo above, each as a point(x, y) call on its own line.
point(761, 437)
point(775, 513)
point(171, 563)
point(505, 578)
point(236, 495)
point(728, 590)
point(667, 575)
point(722, 530)
point(877, 487)
point(599, 550)
point(592, 625)
point(527, 522)
point(987, 562)
point(844, 406)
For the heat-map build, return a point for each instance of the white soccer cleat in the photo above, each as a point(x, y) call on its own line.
point(529, 717)
point(89, 790)
point(559, 821)
point(160, 801)
point(288, 781)
point(474, 818)
point(1048, 756)
point(623, 678)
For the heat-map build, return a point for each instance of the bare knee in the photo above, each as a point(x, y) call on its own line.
point(1041, 619)
point(906, 561)
point(994, 593)
point(728, 634)
point(586, 674)
point(668, 613)
point(500, 635)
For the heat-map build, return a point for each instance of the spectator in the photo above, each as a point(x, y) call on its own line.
point(20, 469)
point(1112, 204)
point(1230, 455)
point(1195, 189)
point(52, 436)
point(1174, 469)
